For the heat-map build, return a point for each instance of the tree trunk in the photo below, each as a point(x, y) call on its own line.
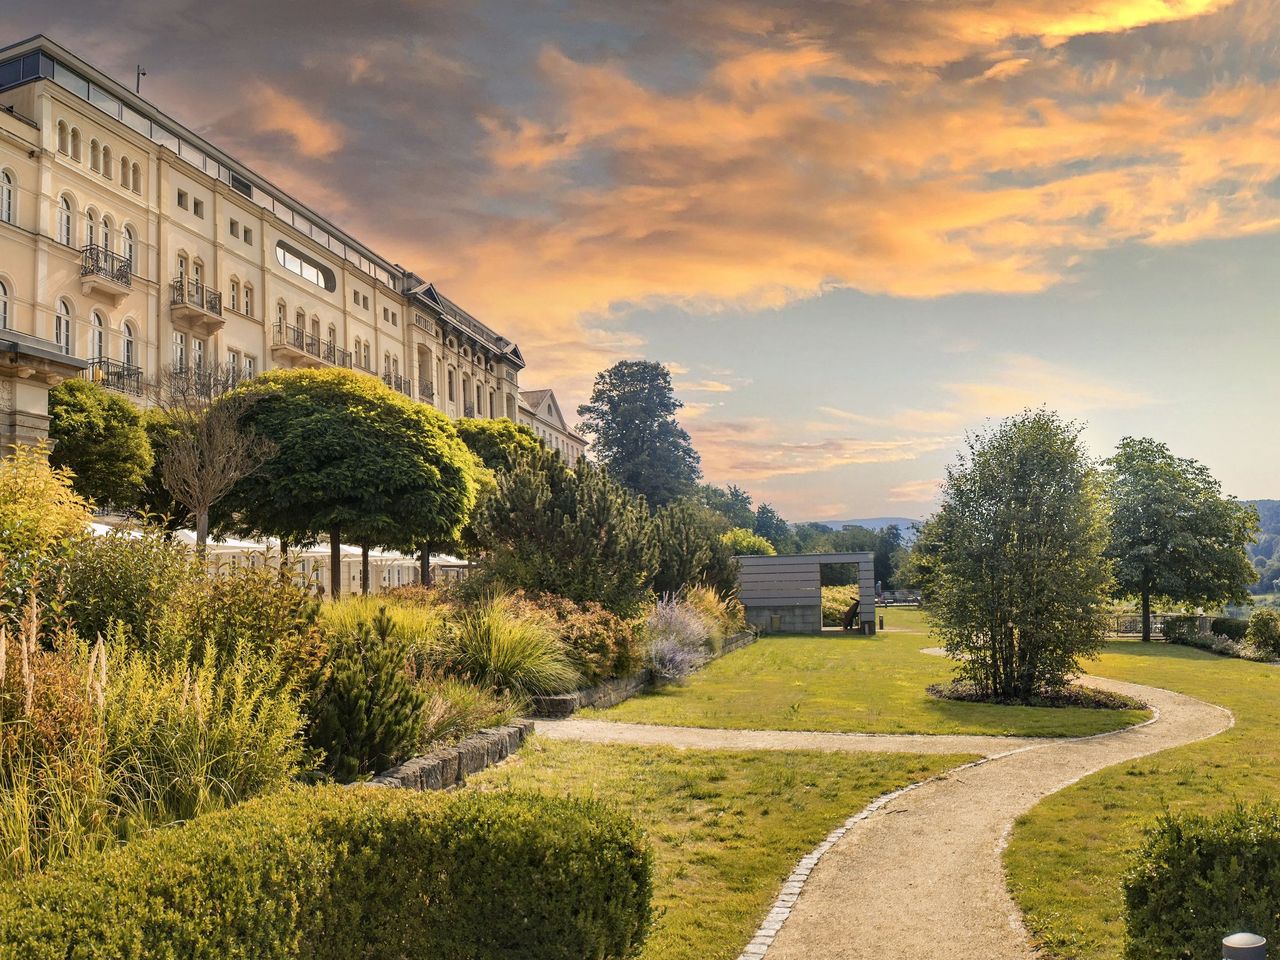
point(1146, 615)
point(202, 532)
point(335, 563)
point(424, 560)
point(364, 569)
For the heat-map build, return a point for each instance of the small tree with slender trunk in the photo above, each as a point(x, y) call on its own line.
point(1012, 567)
point(205, 451)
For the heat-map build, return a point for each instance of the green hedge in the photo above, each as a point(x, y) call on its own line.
point(1199, 878)
point(1233, 628)
point(333, 874)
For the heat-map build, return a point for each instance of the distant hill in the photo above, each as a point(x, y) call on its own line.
point(872, 523)
point(1268, 543)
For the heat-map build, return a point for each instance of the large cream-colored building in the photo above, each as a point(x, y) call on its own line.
point(539, 410)
point(134, 246)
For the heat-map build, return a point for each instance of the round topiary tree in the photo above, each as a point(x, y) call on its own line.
point(353, 460)
point(99, 437)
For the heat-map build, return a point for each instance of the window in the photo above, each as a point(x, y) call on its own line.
point(281, 313)
point(248, 300)
point(197, 351)
point(235, 295)
point(364, 301)
point(4, 306)
point(95, 155)
point(248, 235)
point(450, 384)
point(386, 363)
point(135, 178)
point(128, 350)
point(356, 351)
point(395, 366)
point(182, 265)
point(179, 351)
point(197, 272)
point(386, 314)
point(300, 318)
point(367, 364)
point(182, 199)
point(62, 327)
point(333, 333)
point(64, 221)
point(395, 319)
point(62, 137)
point(124, 173)
point(106, 162)
point(233, 362)
point(90, 227)
point(97, 337)
point(250, 365)
point(294, 260)
point(106, 233)
point(6, 197)
point(128, 246)
point(75, 144)
point(355, 297)
point(235, 228)
point(197, 207)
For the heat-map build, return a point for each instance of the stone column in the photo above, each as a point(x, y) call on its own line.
point(29, 367)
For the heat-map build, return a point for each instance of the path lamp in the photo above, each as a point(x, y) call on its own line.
point(1244, 946)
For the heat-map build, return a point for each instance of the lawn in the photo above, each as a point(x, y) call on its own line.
point(727, 827)
point(1067, 855)
point(840, 682)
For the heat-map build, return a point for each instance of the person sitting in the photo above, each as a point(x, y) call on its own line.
point(851, 615)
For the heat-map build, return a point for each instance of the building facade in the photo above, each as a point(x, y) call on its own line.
point(133, 247)
point(540, 412)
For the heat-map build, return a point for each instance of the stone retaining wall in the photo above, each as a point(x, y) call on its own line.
point(445, 767)
point(612, 692)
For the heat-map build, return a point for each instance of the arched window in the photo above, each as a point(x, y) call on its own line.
point(182, 266)
point(395, 366)
point(106, 162)
point(90, 227)
point(63, 139)
point(97, 337)
point(62, 332)
point(128, 247)
point(197, 271)
point(449, 381)
point(356, 350)
point(367, 365)
point(106, 232)
point(315, 327)
point(128, 349)
point(95, 155)
point(281, 312)
point(135, 178)
point(124, 173)
point(75, 144)
point(300, 319)
point(333, 333)
point(6, 197)
point(248, 300)
point(386, 362)
point(64, 220)
point(4, 306)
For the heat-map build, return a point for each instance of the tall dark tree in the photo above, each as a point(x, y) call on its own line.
point(692, 550)
point(631, 421)
point(1012, 564)
point(731, 502)
point(572, 532)
point(353, 460)
point(498, 443)
point(99, 437)
point(773, 528)
point(1174, 536)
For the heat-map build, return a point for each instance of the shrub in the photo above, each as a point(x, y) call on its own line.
point(600, 644)
point(328, 873)
point(494, 646)
point(836, 602)
point(744, 542)
point(99, 436)
point(39, 514)
point(1180, 629)
point(420, 626)
point(1198, 878)
point(368, 712)
point(456, 708)
point(679, 639)
point(724, 617)
point(1264, 632)
point(1233, 628)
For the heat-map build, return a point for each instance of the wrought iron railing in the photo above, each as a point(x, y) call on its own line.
point(288, 335)
point(115, 375)
point(195, 293)
point(99, 261)
point(468, 409)
point(426, 392)
point(397, 382)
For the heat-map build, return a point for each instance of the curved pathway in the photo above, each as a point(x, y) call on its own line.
point(918, 874)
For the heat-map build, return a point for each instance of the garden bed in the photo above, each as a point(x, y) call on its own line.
point(450, 766)
point(1070, 696)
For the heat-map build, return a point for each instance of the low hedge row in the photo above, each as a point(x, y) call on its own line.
point(332, 874)
point(1199, 878)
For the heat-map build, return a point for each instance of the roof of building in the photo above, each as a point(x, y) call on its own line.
point(533, 400)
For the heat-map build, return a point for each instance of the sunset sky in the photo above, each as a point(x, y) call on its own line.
point(854, 230)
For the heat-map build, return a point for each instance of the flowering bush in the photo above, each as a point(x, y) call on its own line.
point(679, 638)
point(601, 644)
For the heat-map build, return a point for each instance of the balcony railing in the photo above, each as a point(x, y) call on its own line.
point(288, 335)
point(115, 375)
point(185, 291)
point(426, 392)
point(96, 261)
point(468, 409)
point(397, 382)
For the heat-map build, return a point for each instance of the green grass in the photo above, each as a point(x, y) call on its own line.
point(838, 682)
point(727, 827)
point(1068, 854)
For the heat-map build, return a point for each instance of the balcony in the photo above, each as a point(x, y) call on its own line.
point(115, 375)
point(195, 307)
point(468, 409)
point(397, 382)
point(306, 349)
point(426, 392)
point(105, 274)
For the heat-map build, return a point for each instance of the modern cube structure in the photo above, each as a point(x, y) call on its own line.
point(784, 594)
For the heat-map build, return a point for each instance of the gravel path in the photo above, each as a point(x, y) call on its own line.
point(603, 731)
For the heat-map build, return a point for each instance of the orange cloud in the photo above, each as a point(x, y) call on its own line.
point(273, 111)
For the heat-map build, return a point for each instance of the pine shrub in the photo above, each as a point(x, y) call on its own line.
point(1198, 878)
point(329, 874)
point(1264, 632)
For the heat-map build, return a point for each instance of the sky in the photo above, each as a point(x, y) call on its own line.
point(854, 231)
